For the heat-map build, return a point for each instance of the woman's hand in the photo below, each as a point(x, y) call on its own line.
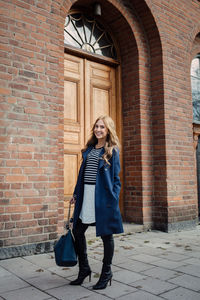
point(72, 200)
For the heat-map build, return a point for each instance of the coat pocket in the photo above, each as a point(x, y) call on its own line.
point(110, 198)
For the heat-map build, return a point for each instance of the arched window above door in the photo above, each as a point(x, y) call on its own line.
point(87, 34)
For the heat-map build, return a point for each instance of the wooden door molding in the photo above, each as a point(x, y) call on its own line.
point(91, 56)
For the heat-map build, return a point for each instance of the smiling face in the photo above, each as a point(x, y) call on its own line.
point(100, 130)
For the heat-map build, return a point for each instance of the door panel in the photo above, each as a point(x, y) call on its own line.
point(73, 122)
point(89, 91)
point(100, 105)
point(100, 95)
point(70, 164)
point(71, 107)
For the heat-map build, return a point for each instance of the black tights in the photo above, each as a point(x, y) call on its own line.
point(81, 246)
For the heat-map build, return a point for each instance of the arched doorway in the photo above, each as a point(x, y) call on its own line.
point(137, 82)
point(91, 89)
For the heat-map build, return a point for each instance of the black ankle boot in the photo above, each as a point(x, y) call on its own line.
point(84, 271)
point(105, 277)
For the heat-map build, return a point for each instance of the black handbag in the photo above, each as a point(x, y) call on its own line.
point(65, 254)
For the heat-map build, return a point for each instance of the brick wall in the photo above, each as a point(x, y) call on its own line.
point(156, 42)
point(31, 109)
point(178, 25)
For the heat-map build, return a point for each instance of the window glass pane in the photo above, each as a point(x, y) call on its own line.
point(79, 27)
point(195, 67)
point(195, 84)
point(70, 36)
point(85, 33)
point(88, 29)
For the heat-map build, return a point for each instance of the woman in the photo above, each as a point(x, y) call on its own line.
point(96, 198)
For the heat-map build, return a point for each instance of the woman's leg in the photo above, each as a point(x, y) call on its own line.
point(108, 245)
point(80, 240)
point(106, 273)
point(81, 250)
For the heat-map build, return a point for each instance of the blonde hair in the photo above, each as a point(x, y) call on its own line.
point(112, 141)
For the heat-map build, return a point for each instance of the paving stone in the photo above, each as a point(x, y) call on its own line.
point(146, 258)
point(158, 243)
point(152, 285)
point(126, 251)
point(67, 292)
point(134, 265)
point(153, 251)
point(11, 282)
point(168, 264)
point(190, 269)
point(181, 294)
point(26, 293)
point(47, 280)
point(187, 281)
point(179, 250)
point(192, 261)
point(120, 258)
point(161, 273)
point(20, 267)
point(126, 276)
point(194, 254)
point(139, 295)
point(64, 271)
point(117, 289)
point(42, 260)
point(174, 256)
point(4, 273)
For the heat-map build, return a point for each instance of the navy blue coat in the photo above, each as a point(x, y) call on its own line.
point(107, 189)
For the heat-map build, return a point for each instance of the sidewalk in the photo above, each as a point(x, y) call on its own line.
point(147, 266)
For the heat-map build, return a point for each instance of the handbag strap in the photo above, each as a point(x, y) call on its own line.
point(69, 211)
point(69, 220)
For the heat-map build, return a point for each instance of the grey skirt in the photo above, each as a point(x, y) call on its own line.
point(87, 214)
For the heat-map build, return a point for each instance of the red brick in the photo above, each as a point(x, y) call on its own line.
point(38, 238)
point(32, 231)
point(16, 209)
point(15, 232)
point(16, 178)
point(15, 241)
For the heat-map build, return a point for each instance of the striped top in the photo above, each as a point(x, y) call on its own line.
point(91, 167)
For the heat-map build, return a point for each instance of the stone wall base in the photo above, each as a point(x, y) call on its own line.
point(24, 250)
point(178, 226)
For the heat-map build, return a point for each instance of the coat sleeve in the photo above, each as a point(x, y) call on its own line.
point(78, 181)
point(116, 168)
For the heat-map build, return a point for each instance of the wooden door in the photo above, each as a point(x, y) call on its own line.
point(89, 91)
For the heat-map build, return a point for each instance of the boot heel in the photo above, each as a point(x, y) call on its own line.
point(110, 281)
point(90, 276)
